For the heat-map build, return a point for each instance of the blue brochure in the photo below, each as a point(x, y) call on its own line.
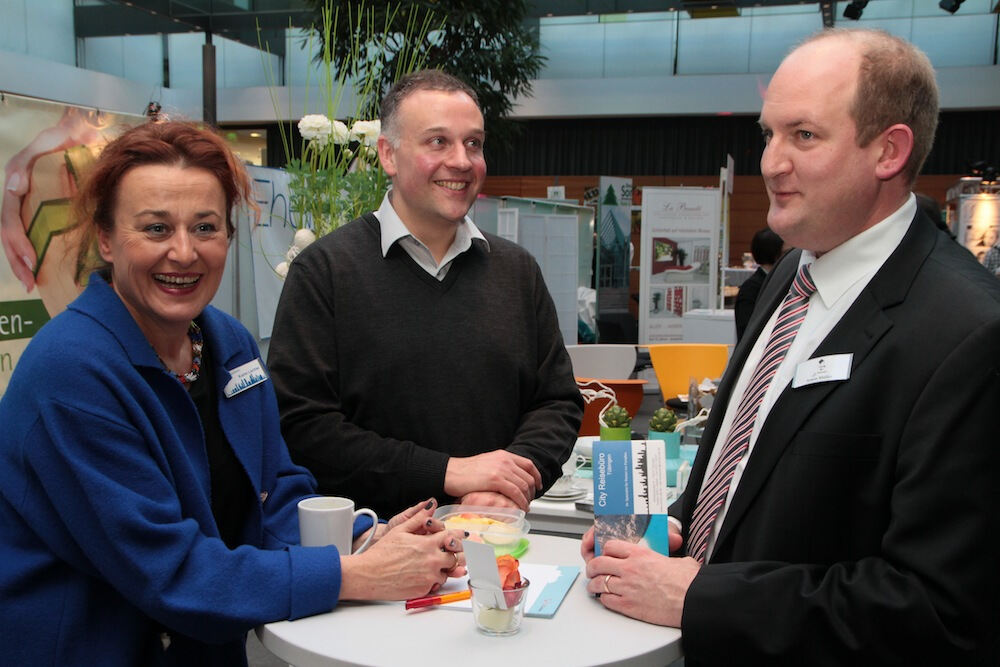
point(630, 493)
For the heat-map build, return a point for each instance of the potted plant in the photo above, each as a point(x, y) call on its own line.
point(661, 427)
point(616, 423)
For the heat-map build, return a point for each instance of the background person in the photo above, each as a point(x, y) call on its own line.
point(148, 513)
point(766, 247)
point(412, 354)
point(842, 509)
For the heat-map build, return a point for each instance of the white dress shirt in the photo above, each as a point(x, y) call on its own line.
point(840, 275)
point(394, 229)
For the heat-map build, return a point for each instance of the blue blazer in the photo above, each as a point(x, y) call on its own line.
point(865, 528)
point(107, 537)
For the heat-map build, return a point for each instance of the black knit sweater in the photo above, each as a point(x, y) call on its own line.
point(383, 372)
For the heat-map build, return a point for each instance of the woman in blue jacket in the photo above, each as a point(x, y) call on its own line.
point(147, 500)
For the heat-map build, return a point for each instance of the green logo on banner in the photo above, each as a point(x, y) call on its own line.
point(21, 319)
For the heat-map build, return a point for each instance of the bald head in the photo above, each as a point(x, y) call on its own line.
point(840, 151)
point(895, 84)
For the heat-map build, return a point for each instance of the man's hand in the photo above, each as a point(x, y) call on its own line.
point(587, 545)
point(642, 584)
point(487, 499)
point(674, 541)
point(499, 471)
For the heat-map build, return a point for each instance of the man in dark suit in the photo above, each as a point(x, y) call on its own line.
point(766, 247)
point(843, 509)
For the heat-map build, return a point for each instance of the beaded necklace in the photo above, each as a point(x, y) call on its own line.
point(197, 343)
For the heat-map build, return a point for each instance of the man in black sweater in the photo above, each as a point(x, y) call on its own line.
point(413, 355)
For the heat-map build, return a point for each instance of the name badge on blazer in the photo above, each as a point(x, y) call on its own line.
point(831, 368)
point(243, 377)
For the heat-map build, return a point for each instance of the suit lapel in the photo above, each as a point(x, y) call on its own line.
point(860, 329)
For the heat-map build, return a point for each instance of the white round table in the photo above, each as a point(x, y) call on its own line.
point(382, 634)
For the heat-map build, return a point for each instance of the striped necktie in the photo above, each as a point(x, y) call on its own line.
point(713, 493)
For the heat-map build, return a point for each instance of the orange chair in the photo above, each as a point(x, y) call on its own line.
point(676, 363)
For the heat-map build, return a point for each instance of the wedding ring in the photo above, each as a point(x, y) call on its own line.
point(606, 589)
point(455, 556)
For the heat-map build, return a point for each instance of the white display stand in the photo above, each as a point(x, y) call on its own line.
point(709, 326)
point(552, 240)
point(679, 258)
point(565, 254)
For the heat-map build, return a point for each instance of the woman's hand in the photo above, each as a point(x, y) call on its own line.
point(424, 509)
point(413, 558)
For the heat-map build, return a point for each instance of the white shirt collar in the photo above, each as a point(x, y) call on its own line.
point(859, 256)
point(394, 229)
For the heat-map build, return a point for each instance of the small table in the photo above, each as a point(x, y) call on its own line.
point(581, 634)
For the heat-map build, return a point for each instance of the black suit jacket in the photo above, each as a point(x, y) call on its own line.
point(746, 299)
point(865, 528)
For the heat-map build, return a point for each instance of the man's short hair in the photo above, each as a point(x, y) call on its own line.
point(766, 247)
point(896, 84)
point(427, 79)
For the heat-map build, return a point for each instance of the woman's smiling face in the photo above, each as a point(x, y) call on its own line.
point(168, 245)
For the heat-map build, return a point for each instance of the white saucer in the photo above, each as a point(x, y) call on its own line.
point(573, 495)
point(566, 488)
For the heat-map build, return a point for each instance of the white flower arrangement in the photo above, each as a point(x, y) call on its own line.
point(303, 238)
point(338, 178)
point(317, 128)
point(366, 132)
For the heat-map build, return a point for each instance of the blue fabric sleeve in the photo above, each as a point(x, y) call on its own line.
point(98, 497)
point(361, 524)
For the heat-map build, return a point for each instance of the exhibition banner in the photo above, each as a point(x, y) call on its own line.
point(45, 148)
point(678, 258)
point(614, 239)
point(271, 234)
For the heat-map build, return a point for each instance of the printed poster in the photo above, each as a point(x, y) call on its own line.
point(678, 258)
point(45, 148)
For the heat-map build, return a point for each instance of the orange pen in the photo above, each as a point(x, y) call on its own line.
point(433, 600)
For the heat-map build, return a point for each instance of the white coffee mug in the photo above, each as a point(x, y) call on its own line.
point(325, 520)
